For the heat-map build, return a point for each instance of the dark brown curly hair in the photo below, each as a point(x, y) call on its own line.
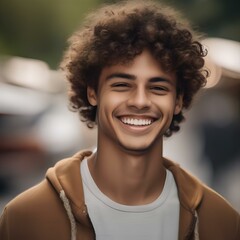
point(117, 33)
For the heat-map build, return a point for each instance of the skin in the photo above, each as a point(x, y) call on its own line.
point(136, 103)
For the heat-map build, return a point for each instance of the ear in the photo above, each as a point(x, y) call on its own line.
point(178, 104)
point(92, 96)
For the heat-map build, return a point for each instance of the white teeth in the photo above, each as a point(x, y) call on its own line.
point(136, 122)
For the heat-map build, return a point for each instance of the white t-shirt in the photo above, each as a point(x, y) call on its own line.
point(158, 220)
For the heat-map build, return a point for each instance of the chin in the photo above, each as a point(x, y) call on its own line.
point(136, 149)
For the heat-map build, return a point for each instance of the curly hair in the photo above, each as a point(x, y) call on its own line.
point(117, 33)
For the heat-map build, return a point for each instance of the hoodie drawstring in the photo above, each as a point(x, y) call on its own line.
point(196, 232)
point(70, 214)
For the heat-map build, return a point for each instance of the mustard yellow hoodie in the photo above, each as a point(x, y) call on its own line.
point(55, 209)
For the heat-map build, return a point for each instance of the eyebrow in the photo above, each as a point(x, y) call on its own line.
point(160, 79)
point(121, 75)
point(133, 77)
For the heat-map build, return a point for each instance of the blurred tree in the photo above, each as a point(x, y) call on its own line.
point(216, 18)
point(39, 29)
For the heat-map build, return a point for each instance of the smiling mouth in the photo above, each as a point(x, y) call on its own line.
point(136, 121)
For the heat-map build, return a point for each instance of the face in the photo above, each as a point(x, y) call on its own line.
point(135, 103)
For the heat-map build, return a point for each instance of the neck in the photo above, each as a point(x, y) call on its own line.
point(130, 178)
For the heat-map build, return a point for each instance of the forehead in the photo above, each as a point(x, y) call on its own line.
point(143, 66)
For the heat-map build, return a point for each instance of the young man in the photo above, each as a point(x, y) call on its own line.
point(133, 68)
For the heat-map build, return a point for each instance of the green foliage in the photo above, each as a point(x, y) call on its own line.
point(39, 28)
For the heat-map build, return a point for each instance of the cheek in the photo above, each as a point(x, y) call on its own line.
point(166, 104)
point(108, 103)
point(111, 100)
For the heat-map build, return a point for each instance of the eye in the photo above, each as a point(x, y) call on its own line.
point(159, 90)
point(120, 86)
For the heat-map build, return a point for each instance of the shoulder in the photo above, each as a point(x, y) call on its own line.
point(39, 199)
point(217, 218)
point(39, 212)
point(46, 194)
point(213, 204)
point(194, 194)
point(33, 214)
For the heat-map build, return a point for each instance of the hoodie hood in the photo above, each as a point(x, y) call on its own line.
point(190, 192)
point(66, 180)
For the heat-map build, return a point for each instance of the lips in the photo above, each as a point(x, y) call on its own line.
point(135, 121)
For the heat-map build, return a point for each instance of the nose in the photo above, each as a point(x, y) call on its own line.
point(139, 99)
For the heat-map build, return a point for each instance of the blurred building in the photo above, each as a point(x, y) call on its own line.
point(36, 126)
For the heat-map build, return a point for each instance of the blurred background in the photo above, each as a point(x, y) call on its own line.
point(37, 129)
